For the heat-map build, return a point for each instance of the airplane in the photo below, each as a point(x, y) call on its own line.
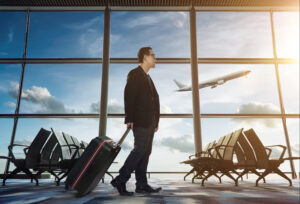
point(213, 83)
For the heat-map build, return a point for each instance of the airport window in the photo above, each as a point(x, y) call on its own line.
point(286, 26)
point(58, 86)
point(61, 88)
point(166, 32)
point(173, 143)
point(163, 76)
point(289, 78)
point(294, 132)
point(12, 34)
point(65, 34)
point(232, 89)
point(234, 35)
point(6, 126)
point(9, 87)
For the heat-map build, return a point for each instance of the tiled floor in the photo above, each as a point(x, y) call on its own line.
point(175, 190)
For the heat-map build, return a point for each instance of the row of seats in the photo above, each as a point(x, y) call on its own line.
point(249, 151)
point(50, 151)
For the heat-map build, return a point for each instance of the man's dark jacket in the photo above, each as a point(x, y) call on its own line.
point(141, 104)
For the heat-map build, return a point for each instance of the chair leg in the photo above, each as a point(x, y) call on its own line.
point(190, 172)
point(242, 174)
point(31, 176)
point(198, 174)
point(210, 173)
point(258, 174)
point(267, 171)
point(219, 177)
point(280, 173)
point(11, 175)
point(230, 176)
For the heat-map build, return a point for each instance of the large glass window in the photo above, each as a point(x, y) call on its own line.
point(172, 144)
point(12, 34)
point(9, 87)
point(65, 34)
point(289, 78)
point(234, 35)
point(163, 77)
point(61, 88)
point(293, 125)
point(286, 25)
point(269, 130)
point(231, 90)
point(5, 135)
point(166, 32)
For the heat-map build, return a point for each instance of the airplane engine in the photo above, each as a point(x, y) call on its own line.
point(221, 82)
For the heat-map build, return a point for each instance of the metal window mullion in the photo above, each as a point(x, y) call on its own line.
point(105, 73)
point(159, 61)
point(280, 97)
point(194, 78)
point(13, 134)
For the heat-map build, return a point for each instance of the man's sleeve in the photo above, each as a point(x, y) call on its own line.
point(157, 111)
point(130, 93)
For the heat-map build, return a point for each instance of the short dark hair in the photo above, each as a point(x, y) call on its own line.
point(143, 51)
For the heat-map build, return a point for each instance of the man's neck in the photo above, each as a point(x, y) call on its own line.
point(145, 68)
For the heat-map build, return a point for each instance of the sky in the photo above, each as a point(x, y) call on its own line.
point(76, 88)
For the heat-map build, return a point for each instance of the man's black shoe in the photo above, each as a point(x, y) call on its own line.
point(147, 189)
point(121, 187)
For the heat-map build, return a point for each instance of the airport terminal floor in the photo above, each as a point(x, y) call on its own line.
point(175, 190)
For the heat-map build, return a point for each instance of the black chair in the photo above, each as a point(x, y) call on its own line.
point(262, 155)
point(67, 157)
point(32, 156)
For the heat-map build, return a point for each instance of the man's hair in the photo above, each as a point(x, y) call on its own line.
point(143, 51)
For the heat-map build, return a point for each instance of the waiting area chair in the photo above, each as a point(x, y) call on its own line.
point(250, 153)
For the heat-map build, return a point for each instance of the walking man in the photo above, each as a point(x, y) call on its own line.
point(142, 115)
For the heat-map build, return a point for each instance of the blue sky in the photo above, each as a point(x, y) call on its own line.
point(75, 88)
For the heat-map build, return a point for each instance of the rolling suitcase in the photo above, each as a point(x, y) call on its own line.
point(92, 165)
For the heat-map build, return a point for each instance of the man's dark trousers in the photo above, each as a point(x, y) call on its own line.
point(138, 158)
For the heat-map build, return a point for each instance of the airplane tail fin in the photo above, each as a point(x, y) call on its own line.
point(179, 84)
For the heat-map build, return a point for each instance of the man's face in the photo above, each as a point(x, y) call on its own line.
point(150, 59)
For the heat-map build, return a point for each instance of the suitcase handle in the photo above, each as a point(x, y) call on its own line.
point(124, 136)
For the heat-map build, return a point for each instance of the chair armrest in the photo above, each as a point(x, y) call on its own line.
point(197, 154)
point(20, 145)
point(283, 150)
point(269, 153)
point(25, 150)
point(4, 157)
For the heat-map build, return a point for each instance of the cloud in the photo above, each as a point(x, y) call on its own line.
point(84, 24)
point(3, 53)
point(276, 151)
point(91, 42)
point(10, 36)
point(258, 108)
point(126, 146)
point(10, 104)
point(112, 107)
point(181, 144)
point(165, 109)
point(23, 142)
point(296, 149)
point(177, 19)
point(40, 96)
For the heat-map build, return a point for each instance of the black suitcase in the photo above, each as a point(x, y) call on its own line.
point(92, 165)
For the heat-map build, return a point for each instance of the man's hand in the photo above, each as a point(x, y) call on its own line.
point(156, 129)
point(130, 125)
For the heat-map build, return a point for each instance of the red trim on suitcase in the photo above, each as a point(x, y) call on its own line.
point(99, 147)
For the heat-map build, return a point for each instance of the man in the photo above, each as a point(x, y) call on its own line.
point(142, 115)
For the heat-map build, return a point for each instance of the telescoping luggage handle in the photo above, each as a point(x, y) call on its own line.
point(124, 136)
